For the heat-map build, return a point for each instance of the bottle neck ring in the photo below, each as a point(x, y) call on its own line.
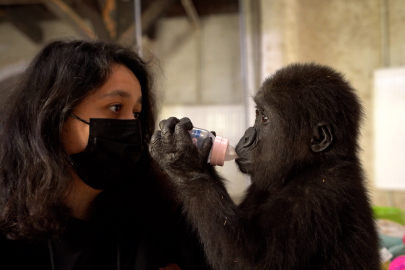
point(219, 151)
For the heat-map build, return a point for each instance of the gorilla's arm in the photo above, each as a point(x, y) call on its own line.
point(228, 240)
point(231, 238)
point(220, 224)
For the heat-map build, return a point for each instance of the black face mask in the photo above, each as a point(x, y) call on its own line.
point(112, 153)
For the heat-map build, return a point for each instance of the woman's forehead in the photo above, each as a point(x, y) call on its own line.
point(121, 83)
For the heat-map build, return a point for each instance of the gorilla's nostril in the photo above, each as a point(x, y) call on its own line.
point(248, 138)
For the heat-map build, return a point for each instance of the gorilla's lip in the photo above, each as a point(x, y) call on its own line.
point(240, 152)
point(241, 161)
point(243, 153)
point(242, 164)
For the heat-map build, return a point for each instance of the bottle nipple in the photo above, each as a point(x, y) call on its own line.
point(230, 153)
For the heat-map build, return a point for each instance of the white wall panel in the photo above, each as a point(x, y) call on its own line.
point(390, 128)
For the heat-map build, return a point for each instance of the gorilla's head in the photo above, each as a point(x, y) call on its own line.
point(306, 114)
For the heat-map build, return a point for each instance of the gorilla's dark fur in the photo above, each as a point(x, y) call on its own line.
point(307, 207)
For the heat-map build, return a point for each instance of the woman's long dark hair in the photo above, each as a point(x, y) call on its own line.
point(34, 168)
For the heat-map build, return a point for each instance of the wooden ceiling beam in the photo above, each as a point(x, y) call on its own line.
point(89, 9)
point(66, 13)
point(149, 16)
point(191, 13)
point(19, 2)
point(205, 8)
point(109, 14)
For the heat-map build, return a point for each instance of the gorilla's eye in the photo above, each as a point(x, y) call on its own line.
point(264, 118)
point(257, 112)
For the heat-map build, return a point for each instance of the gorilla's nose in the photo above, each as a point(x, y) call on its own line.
point(248, 139)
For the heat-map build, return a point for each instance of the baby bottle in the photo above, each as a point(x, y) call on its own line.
point(221, 150)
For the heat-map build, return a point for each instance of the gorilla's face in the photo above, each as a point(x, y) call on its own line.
point(281, 139)
point(244, 149)
point(258, 146)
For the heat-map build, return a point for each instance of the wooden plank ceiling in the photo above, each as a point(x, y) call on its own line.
point(112, 20)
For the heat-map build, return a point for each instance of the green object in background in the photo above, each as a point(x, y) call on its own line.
point(390, 213)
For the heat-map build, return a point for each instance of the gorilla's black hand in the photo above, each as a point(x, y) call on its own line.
point(174, 151)
point(203, 194)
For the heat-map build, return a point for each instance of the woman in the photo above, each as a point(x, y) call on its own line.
point(78, 189)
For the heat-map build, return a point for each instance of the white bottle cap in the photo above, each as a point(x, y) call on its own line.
point(218, 151)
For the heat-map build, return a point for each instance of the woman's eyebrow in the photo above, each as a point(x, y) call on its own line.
point(115, 93)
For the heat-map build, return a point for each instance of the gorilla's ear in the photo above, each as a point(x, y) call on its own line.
point(322, 137)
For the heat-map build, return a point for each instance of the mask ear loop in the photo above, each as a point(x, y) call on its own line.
point(78, 118)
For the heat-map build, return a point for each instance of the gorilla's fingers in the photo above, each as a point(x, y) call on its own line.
point(182, 129)
point(167, 129)
point(157, 136)
point(206, 148)
point(155, 142)
point(161, 123)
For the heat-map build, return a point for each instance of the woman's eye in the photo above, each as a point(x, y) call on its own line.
point(115, 108)
point(264, 118)
point(137, 114)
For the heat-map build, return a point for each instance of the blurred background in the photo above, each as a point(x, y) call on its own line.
point(210, 57)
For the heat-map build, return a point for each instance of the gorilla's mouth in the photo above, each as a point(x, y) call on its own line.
point(241, 161)
point(244, 149)
point(247, 143)
point(243, 164)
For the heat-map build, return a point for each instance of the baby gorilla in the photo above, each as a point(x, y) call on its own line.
point(307, 207)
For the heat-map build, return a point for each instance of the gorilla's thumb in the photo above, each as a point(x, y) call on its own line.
point(206, 148)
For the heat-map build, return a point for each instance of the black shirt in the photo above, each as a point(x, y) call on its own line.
point(100, 246)
point(135, 229)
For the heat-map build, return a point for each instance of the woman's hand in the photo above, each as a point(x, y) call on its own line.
point(174, 151)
